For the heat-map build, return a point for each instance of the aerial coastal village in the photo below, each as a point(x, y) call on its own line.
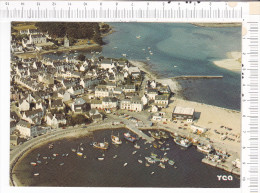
point(50, 96)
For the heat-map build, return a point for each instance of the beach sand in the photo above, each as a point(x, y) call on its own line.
point(233, 62)
point(212, 118)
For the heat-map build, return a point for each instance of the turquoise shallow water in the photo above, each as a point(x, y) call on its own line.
point(182, 49)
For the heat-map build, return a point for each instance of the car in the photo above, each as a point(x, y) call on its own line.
point(164, 123)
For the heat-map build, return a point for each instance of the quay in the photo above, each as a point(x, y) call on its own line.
point(197, 77)
point(227, 166)
point(140, 133)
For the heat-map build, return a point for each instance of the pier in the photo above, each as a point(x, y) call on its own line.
point(140, 133)
point(197, 77)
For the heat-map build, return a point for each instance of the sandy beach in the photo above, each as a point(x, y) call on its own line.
point(213, 118)
point(233, 62)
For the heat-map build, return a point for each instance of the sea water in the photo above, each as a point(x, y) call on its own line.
point(111, 172)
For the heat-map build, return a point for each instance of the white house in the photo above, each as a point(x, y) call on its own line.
point(25, 129)
point(161, 101)
point(24, 105)
point(101, 91)
point(109, 102)
point(151, 93)
point(133, 104)
point(107, 64)
point(37, 39)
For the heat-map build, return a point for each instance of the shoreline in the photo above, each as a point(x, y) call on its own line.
point(232, 62)
point(173, 84)
point(237, 24)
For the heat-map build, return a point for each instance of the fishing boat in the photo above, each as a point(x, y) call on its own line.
point(115, 156)
point(163, 135)
point(162, 165)
point(55, 154)
point(103, 145)
point(147, 165)
point(73, 150)
point(125, 164)
point(61, 164)
point(204, 148)
point(152, 173)
point(171, 162)
point(155, 135)
point(36, 174)
point(116, 140)
point(129, 137)
point(33, 163)
point(138, 37)
point(124, 55)
point(140, 161)
point(84, 156)
point(81, 148)
point(183, 142)
point(137, 146)
point(45, 157)
point(101, 158)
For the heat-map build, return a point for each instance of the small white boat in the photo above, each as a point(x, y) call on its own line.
point(115, 156)
point(45, 157)
point(73, 150)
point(101, 158)
point(147, 165)
point(175, 66)
point(125, 164)
point(84, 156)
point(140, 161)
point(138, 37)
point(33, 163)
point(134, 152)
point(137, 146)
point(124, 55)
point(61, 164)
point(81, 148)
point(152, 173)
point(36, 174)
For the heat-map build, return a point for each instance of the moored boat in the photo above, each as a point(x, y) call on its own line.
point(101, 158)
point(36, 174)
point(183, 142)
point(79, 153)
point(204, 148)
point(137, 146)
point(103, 145)
point(33, 163)
point(171, 162)
point(140, 161)
point(116, 140)
point(129, 137)
point(125, 164)
point(162, 165)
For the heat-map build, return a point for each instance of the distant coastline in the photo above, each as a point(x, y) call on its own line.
point(217, 24)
